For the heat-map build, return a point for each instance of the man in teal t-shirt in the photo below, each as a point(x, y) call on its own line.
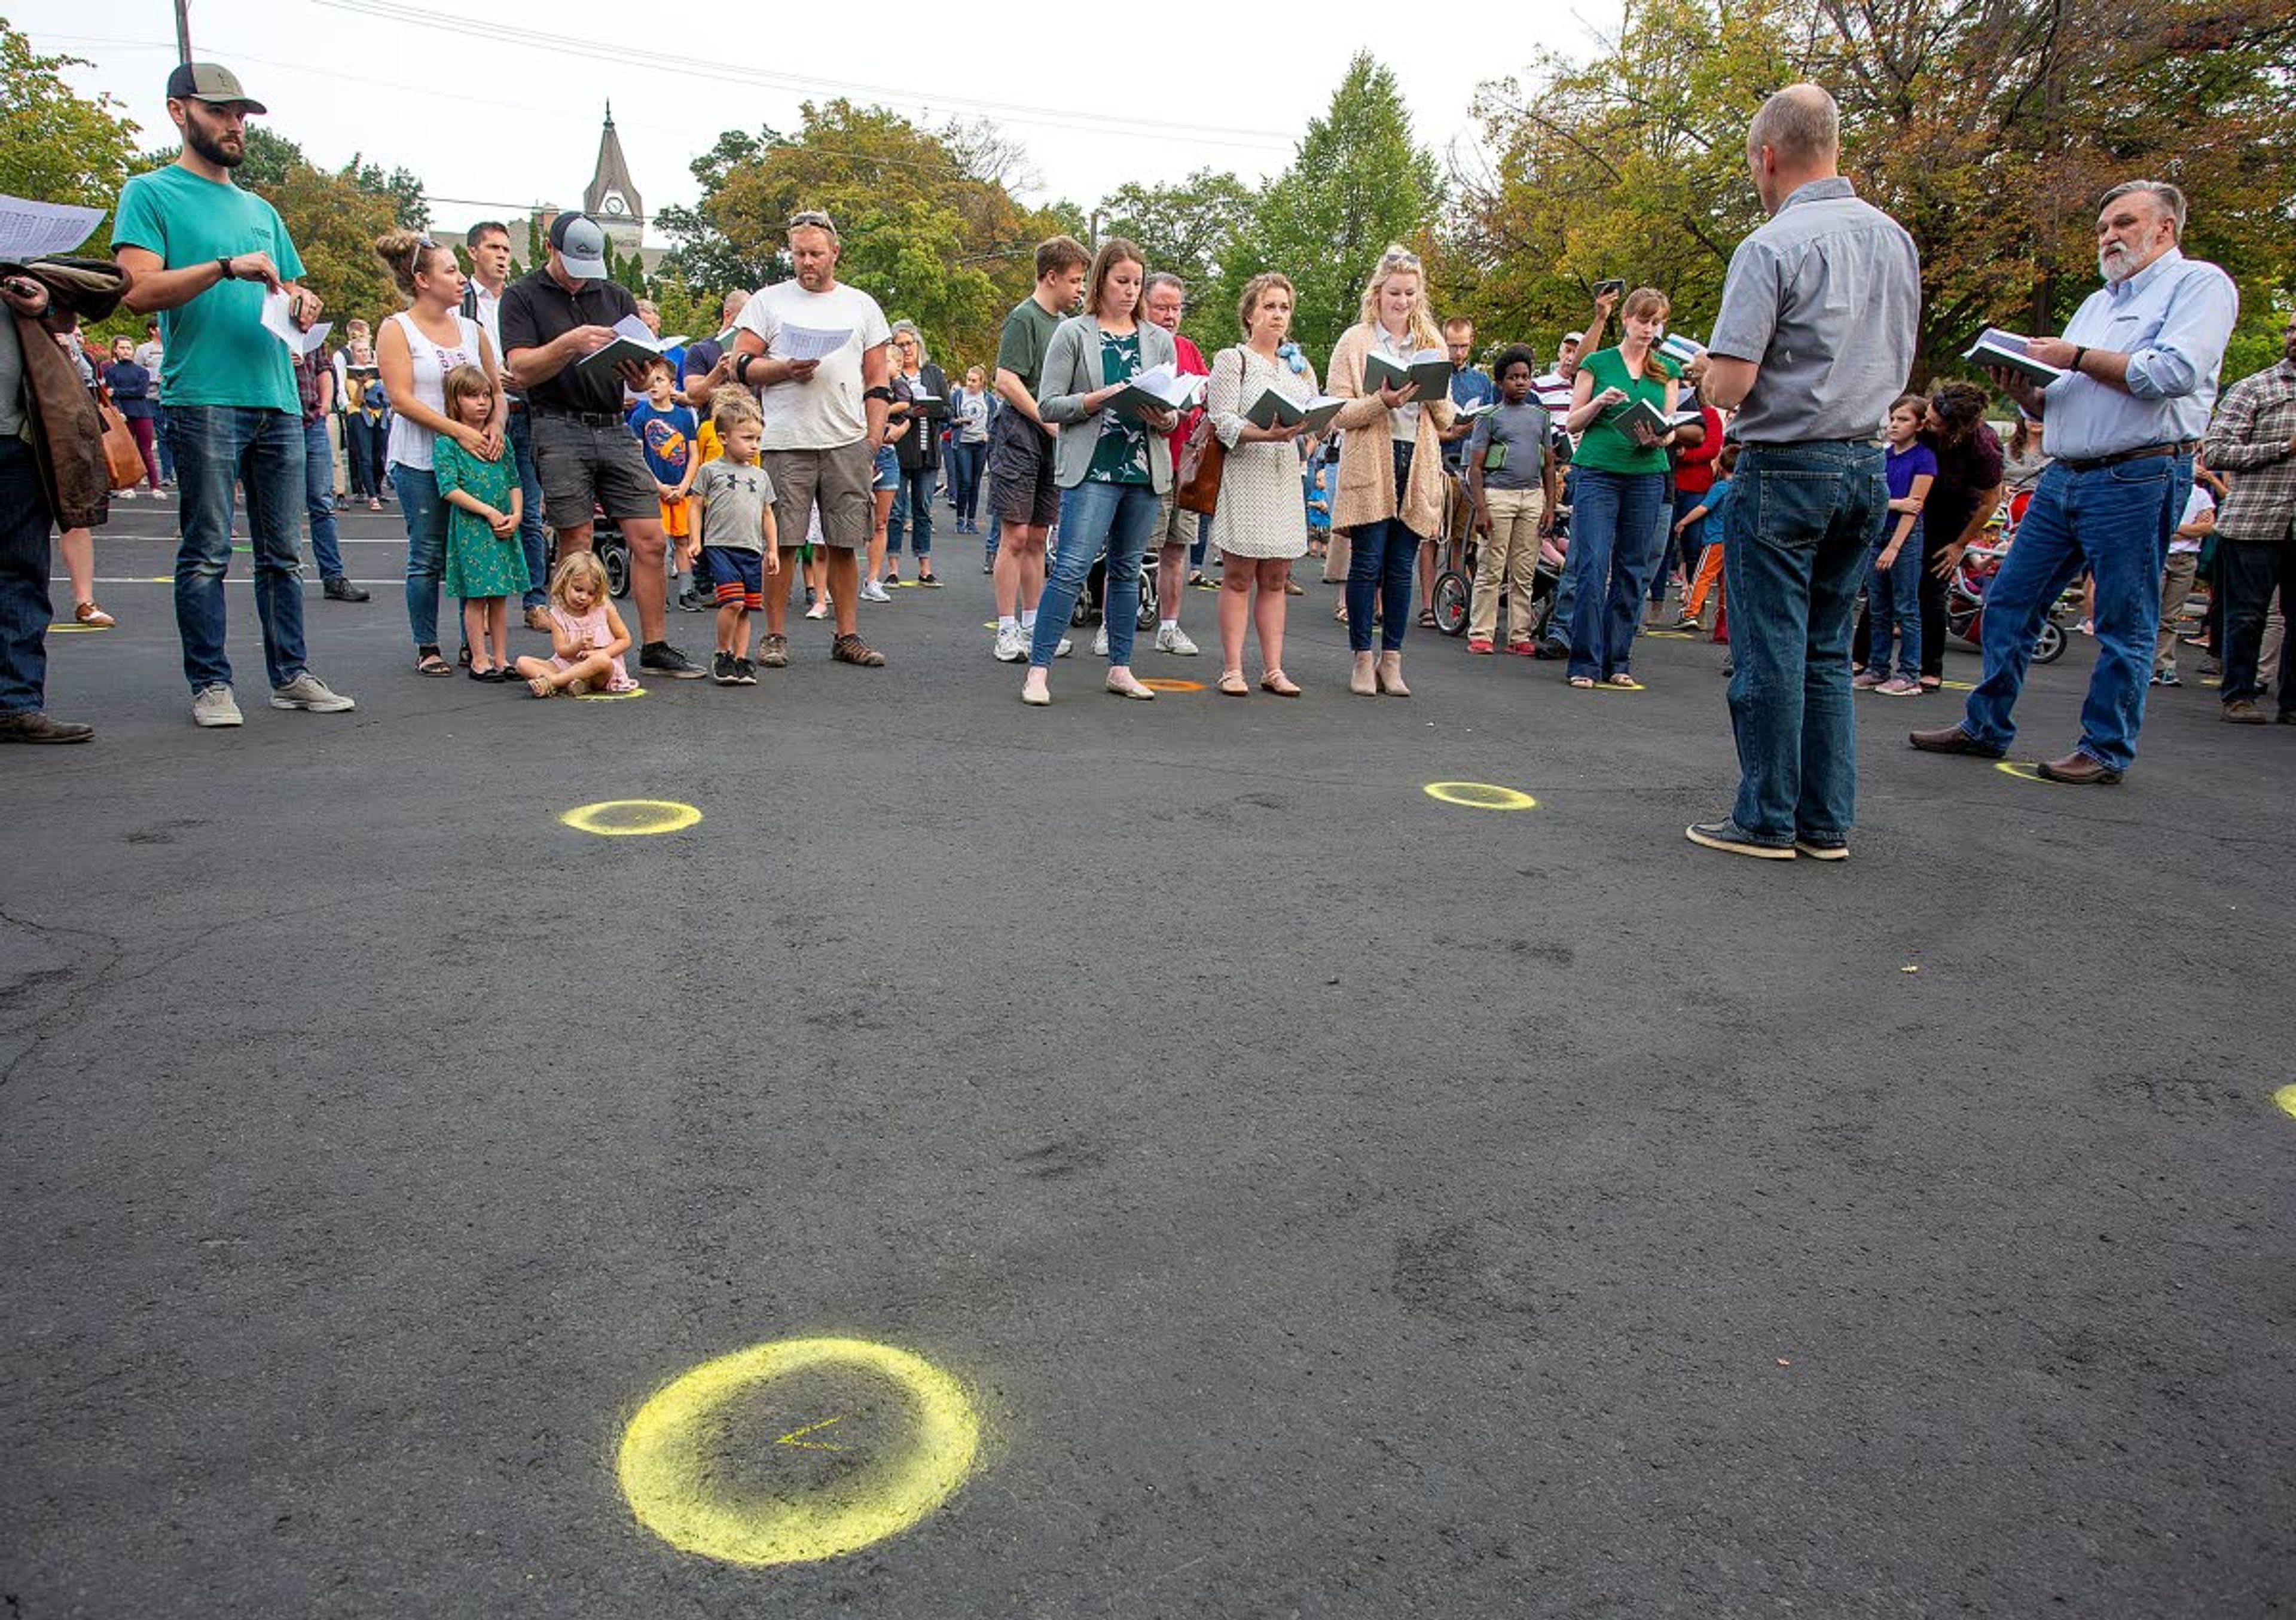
point(207, 257)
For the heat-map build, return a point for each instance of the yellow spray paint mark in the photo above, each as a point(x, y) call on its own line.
point(609, 697)
point(1481, 796)
point(2023, 770)
point(1957, 686)
point(2286, 1098)
point(624, 818)
point(1667, 635)
point(62, 629)
point(1153, 684)
point(670, 1464)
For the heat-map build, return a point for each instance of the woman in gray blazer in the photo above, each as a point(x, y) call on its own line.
point(1111, 465)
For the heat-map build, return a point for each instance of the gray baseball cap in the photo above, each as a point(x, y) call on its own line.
point(211, 81)
point(581, 242)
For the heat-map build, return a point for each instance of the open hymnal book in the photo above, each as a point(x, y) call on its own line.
point(1680, 349)
point(632, 342)
point(1644, 423)
point(1160, 387)
point(1429, 370)
point(932, 406)
point(1481, 407)
point(1274, 409)
point(1995, 346)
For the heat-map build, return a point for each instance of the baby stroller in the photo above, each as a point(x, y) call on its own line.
point(1090, 601)
point(610, 545)
point(1964, 604)
point(1453, 592)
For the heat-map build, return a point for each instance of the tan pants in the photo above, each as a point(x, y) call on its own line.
point(2175, 585)
point(1509, 557)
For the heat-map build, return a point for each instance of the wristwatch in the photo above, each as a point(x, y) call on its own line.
point(224, 264)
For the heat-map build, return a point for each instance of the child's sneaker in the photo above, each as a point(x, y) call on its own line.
point(745, 673)
point(1898, 687)
point(721, 670)
point(1868, 680)
point(1478, 643)
point(1523, 650)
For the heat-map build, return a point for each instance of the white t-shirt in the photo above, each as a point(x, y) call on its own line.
point(825, 411)
point(2200, 501)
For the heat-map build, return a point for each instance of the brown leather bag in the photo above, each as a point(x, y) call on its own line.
point(121, 454)
point(1196, 474)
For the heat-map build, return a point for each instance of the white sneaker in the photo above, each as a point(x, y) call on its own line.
point(820, 608)
point(214, 705)
point(1170, 638)
point(1064, 649)
point(1100, 643)
point(123, 494)
point(1011, 648)
point(871, 590)
point(307, 692)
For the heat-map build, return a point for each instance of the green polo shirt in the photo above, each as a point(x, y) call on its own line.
point(219, 351)
point(1602, 447)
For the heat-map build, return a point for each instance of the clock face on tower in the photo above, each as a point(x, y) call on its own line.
point(615, 205)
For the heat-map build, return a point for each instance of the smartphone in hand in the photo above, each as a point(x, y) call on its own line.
point(1616, 288)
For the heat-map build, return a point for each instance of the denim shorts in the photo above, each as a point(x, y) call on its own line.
point(888, 470)
point(739, 575)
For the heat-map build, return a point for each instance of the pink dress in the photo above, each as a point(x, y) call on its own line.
point(590, 630)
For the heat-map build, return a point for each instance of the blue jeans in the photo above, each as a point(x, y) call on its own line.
point(1796, 537)
point(536, 542)
point(2117, 522)
point(913, 513)
point(995, 535)
point(1381, 557)
point(425, 512)
point(263, 452)
point(1692, 541)
point(24, 607)
point(1893, 605)
point(319, 498)
point(1614, 526)
point(1093, 513)
point(964, 464)
point(164, 442)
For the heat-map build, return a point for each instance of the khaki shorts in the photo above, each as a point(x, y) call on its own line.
point(841, 482)
point(1176, 525)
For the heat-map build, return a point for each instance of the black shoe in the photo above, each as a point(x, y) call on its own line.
point(696, 601)
point(721, 670)
point(1727, 836)
point(339, 589)
point(1822, 849)
point(31, 725)
point(662, 658)
point(745, 673)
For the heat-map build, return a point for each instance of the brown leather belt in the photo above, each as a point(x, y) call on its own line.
point(2145, 453)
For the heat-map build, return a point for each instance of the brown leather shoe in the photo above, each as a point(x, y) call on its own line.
point(1952, 739)
point(2241, 711)
point(2079, 770)
point(30, 725)
point(850, 649)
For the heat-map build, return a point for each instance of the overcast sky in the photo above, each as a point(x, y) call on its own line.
point(497, 125)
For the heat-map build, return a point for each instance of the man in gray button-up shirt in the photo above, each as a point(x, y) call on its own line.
point(1814, 341)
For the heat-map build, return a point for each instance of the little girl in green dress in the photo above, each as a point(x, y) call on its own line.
point(486, 565)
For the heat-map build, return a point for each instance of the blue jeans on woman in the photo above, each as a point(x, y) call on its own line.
point(964, 463)
point(2115, 521)
point(319, 498)
point(1095, 513)
point(1380, 560)
point(1796, 534)
point(913, 513)
point(530, 535)
point(425, 512)
point(1614, 544)
point(263, 451)
point(1893, 605)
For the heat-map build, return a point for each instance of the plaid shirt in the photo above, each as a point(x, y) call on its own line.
point(2249, 443)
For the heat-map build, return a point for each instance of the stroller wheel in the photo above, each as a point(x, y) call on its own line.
point(2049, 646)
point(1452, 595)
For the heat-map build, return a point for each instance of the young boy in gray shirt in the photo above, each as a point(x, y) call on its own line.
point(1511, 478)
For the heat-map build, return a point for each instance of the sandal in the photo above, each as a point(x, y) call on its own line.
point(428, 662)
point(1426, 618)
point(1231, 684)
point(1283, 685)
point(1340, 614)
point(1621, 682)
point(1582, 682)
point(540, 688)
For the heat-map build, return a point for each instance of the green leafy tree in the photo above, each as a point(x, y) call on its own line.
point(405, 188)
point(1186, 228)
point(57, 145)
point(1357, 183)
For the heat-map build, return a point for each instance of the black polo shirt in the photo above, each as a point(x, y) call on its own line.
point(536, 310)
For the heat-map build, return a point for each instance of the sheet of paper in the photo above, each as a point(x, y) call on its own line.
point(30, 230)
point(630, 326)
point(810, 343)
point(318, 335)
point(280, 323)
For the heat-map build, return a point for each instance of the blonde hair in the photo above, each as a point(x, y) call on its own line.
point(1258, 288)
point(586, 565)
point(463, 380)
point(729, 406)
point(404, 253)
point(1399, 260)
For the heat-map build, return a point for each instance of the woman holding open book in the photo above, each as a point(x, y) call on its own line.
point(1622, 404)
point(1112, 459)
point(1392, 493)
point(1260, 407)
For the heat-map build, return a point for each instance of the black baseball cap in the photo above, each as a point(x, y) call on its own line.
point(212, 82)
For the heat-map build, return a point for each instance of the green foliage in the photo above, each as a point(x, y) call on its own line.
point(404, 188)
point(57, 145)
point(1186, 228)
point(1357, 184)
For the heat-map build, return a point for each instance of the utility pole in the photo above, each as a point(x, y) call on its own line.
point(183, 31)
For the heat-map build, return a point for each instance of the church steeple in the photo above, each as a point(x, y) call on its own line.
point(612, 197)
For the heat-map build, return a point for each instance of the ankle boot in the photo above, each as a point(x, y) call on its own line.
point(1363, 682)
point(1391, 675)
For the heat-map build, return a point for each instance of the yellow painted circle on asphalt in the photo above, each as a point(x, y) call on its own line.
point(2286, 1097)
point(624, 818)
point(2023, 770)
point(1481, 796)
point(1153, 684)
point(692, 1477)
point(609, 697)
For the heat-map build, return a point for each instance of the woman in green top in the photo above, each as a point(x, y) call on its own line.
point(1619, 468)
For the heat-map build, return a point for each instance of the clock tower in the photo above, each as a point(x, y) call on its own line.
point(612, 197)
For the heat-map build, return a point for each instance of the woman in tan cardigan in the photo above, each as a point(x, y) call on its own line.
point(1391, 492)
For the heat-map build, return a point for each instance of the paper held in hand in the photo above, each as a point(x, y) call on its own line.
point(279, 321)
point(1160, 387)
point(632, 343)
point(38, 230)
point(810, 343)
point(1274, 410)
point(1428, 371)
point(2006, 349)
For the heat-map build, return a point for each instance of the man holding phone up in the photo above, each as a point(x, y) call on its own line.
point(205, 255)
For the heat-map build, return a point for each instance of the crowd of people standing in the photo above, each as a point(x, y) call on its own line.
point(1787, 444)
